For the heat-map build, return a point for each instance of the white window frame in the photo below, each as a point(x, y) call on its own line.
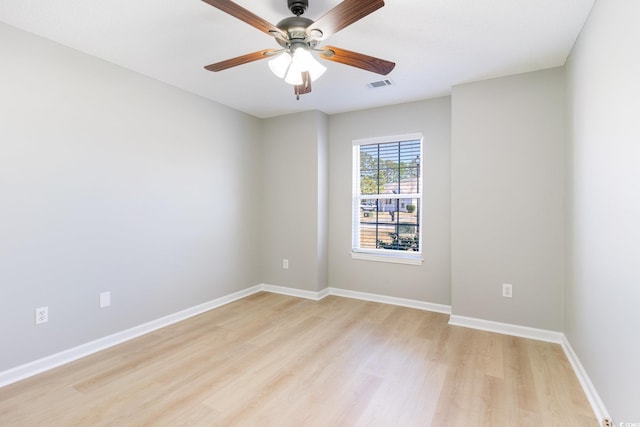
point(383, 255)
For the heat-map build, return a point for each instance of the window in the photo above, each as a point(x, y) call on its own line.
point(387, 196)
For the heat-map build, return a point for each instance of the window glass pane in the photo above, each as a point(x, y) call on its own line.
point(398, 229)
point(369, 218)
point(389, 168)
point(369, 174)
point(369, 182)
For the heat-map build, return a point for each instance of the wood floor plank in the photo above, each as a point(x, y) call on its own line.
point(274, 360)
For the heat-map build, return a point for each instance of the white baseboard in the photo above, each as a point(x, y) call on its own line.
point(506, 328)
point(66, 356)
point(589, 390)
point(323, 293)
point(364, 296)
point(420, 305)
point(283, 290)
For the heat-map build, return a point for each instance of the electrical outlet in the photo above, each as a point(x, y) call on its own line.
point(42, 315)
point(105, 299)
point(285, 263)
point(606, 422)
point(507, 290)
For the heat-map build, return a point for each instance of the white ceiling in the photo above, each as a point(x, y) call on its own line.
point(435, 44)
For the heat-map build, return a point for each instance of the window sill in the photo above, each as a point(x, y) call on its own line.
point(365, 256)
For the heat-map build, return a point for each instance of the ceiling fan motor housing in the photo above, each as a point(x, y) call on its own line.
point(295, 27)
point(297, 7)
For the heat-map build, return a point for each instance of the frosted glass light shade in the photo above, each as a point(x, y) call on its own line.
point(280, 64)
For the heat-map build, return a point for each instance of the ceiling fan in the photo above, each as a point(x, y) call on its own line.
point(298, 37)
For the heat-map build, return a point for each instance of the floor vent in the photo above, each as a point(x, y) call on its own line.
point(381, 83)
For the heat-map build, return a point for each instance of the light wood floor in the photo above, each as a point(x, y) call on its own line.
point(274, 360)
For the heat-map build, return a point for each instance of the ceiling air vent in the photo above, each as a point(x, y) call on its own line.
point(381, 83)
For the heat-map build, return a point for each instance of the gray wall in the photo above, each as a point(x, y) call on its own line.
point(429, 282)
point(507, 198)
point(292, 216)
point(602, 299)
point(112, 181)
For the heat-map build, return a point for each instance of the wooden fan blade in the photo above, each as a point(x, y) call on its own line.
point(344, 14)
point(244, 15)
point(239, 60)
point(354, 59)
